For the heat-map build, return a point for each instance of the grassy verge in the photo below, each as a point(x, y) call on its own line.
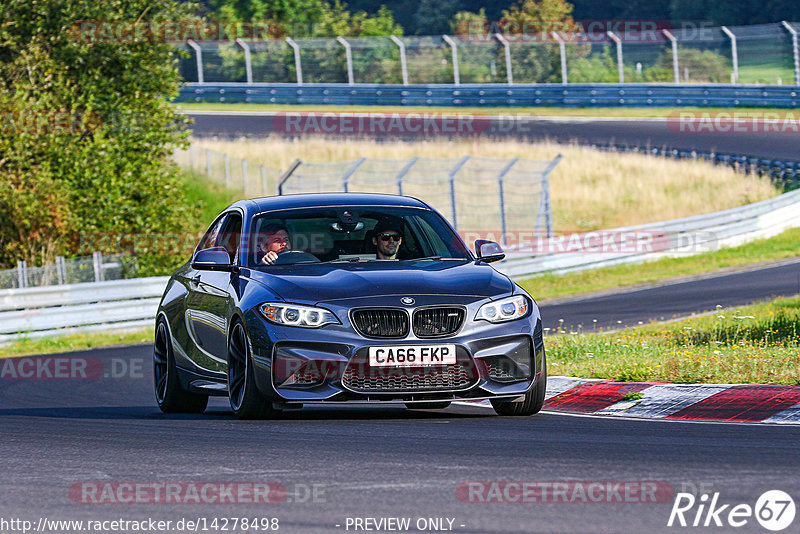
point(74, 342)
point(207, 196)
point(522, 111)
point(784, 245)
point(751, 344)
point(589, 189)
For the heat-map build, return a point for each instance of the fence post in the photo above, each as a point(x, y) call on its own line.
point(795, 51)
point(285, 176)
point(97, 262)
point(348, 55)
point(353, 168)
point(22, 273)
point(208, 163)
point(298, 67)
point(263, 180)
point(198, 53)
point(507, 52)
point(191, 157)
point(403, 172)
point(734, 53)
point(248, 66)
point(244, 177)
point(454, 48)
point(227, 160)
point(548, 212)
point(500, 178)
point(452, 179)
point(614, 37)
point(562, 49)
point(61, 270)
point(675, 67)
point(403, 67)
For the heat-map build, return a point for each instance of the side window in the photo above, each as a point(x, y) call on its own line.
point(231, 235)
point(210, 237)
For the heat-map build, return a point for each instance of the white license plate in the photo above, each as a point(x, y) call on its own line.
point(412, 355)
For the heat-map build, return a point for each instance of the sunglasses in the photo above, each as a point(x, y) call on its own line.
point(393, 237)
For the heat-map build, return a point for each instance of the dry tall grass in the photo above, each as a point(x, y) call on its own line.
point(590, 189)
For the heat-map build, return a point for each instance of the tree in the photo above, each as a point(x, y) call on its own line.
point(105, 165)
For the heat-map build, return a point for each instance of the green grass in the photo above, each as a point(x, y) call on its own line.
point(751, 344)
point(74, 342)
point(531, 111)
point(784, 245)
point(208, 196)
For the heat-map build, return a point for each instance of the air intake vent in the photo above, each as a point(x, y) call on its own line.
point(438, 322)
point(381, 322)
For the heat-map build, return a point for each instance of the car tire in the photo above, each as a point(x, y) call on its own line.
point(246, 401)
point(170, 395)
point(427, 405)
point(533, 402)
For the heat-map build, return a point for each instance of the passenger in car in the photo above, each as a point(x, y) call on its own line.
point(387, 238)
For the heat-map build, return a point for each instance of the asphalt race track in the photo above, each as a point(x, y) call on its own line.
point(365, 462)
point(59, 438)
point(666, 302)
point(656, 132)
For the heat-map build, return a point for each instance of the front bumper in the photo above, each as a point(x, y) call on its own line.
point(330, 364)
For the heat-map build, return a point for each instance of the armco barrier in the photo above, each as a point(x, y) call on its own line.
point(725, 228)
point(132, 303)
point(40, 311)
point(487, 95)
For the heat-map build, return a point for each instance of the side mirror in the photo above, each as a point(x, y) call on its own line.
point(213, 259)
point(488, 251)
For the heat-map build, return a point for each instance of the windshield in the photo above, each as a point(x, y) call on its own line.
point(352, 234)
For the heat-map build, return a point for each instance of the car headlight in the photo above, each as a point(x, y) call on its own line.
point(296, 315)
point(503, 310)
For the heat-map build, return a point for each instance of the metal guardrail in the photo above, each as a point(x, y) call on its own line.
point(487, 95)
point(113, 305)
point(122, 304)
point(786, 173)
point(725, 228)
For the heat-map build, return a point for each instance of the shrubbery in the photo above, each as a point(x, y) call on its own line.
point(87, 130)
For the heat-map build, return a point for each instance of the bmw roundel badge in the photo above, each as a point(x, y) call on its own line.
point(408, 301)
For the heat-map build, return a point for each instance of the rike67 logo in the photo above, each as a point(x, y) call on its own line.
point(774, 510)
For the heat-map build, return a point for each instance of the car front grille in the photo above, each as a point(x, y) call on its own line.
point(381, 322)
point(438, 322)
point(359, 376)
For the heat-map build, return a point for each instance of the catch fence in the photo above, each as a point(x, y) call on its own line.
point(756, 54)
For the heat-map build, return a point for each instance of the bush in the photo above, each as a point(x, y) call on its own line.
point(107, 168)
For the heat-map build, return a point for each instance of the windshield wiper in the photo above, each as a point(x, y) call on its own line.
point(433, 258)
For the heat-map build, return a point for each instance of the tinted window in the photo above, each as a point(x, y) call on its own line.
point(330, 234)
point(231, 235)
point(211, 234)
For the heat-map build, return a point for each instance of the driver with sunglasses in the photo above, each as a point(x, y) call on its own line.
point(387, 239)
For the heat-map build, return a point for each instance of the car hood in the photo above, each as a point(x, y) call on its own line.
point(322, 282)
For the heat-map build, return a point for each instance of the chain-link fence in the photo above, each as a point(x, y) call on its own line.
point(764, 53)
point(236, 174)
point(94, 268)
point(475, 194)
